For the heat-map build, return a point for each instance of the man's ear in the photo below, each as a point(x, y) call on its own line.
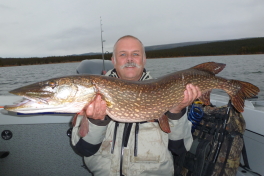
point(144, 61)
point(113, 60)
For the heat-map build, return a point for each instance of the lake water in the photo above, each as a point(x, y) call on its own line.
point(249, 68)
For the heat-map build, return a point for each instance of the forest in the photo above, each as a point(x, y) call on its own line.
point(229, 47)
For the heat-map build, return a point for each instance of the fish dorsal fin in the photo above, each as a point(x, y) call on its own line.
point(211, 67)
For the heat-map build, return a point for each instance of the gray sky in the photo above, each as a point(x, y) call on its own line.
point(62, 27)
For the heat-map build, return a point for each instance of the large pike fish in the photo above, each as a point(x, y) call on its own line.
point(129, 101)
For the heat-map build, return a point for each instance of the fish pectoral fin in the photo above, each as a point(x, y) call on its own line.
point(84, 127)
point(74, 120)
point(205, 98)
point(82, 112)
point(164, 123)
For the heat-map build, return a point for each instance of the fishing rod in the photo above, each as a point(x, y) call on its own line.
point(102, 43)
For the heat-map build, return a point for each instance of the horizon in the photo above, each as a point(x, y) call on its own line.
point(97, 53)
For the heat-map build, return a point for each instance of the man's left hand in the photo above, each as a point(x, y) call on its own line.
point(190, 94)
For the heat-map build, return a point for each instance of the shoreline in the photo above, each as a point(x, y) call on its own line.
point(38, 64)
point(147, 58)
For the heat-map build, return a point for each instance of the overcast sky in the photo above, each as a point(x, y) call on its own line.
point(62, 27)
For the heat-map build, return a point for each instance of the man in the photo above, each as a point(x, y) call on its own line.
point(113, 148)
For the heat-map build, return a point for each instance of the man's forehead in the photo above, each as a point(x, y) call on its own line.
point(121, 51)
point(128, 44)
point(128, 38)
point(128, 41)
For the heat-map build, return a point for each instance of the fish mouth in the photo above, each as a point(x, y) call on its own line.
point(29, 104)
point(21, 103)
point(32, 98)
point(33, 92)
point(37, 99)
point(31, 107)
point(39, 105)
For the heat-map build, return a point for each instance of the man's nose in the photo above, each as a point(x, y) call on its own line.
point(130, 57)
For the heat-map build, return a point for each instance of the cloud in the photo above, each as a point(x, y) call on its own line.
point(62, 27)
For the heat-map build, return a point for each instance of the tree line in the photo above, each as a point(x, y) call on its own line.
point(48, 60)
point(231, 47)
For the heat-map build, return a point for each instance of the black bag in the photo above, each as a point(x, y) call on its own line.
point(218, 143)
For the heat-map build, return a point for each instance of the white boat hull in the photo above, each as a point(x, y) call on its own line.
point(40, 144)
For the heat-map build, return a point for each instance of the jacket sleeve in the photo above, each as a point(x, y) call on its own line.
point(89, 144)
point(180, 138)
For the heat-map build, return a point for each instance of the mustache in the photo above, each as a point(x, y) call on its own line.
point(130, 64)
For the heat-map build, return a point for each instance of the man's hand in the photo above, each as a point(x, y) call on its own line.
point(190, 94)
point(96, 109)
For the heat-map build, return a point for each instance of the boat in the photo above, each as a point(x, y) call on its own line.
point(39, 144)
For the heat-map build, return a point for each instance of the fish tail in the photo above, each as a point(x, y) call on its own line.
point(239, 91)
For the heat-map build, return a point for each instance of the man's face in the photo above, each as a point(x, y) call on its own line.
point(130, 60)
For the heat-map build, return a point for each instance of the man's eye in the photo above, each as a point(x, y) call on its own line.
point(135, 54)
point(122, 54)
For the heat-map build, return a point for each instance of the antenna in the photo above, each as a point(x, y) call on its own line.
point(102, 42)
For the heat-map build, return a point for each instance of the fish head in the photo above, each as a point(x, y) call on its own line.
point(66, 95)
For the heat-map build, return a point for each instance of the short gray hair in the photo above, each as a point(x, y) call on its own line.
point(128, 36)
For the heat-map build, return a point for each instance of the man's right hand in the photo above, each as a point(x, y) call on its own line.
point(96, 109)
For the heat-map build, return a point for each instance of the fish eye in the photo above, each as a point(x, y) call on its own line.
point(52, 84)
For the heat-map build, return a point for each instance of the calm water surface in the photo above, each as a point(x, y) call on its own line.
point(248, 68)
